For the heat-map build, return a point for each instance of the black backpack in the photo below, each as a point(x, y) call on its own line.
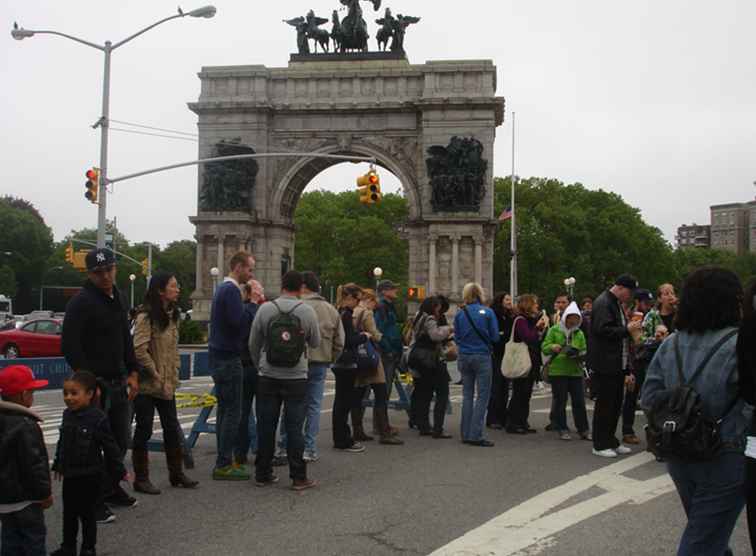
point(285, 341)
point(678, 423)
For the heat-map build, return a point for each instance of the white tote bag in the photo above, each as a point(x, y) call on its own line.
point(516, 362)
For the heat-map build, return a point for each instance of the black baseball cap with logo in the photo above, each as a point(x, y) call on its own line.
point(100, 259)
point(642, 294)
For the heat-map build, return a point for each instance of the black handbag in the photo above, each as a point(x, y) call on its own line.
point(423, 355)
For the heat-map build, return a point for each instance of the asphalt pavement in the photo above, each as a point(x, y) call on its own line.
point(528, 495)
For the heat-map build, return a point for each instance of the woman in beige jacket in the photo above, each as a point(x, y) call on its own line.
point(156, 346)
point(365, 322)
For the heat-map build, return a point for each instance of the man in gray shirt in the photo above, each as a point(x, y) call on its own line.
point(278, 325)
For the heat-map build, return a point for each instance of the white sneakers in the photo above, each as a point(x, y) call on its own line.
point(609, 453)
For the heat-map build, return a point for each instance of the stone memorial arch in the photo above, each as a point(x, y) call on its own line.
point(432, 125)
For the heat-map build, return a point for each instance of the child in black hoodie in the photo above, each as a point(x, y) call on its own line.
point(85, 436)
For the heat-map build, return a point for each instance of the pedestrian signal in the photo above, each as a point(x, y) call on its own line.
point(92, 185)
point(370, 188)
point(416, 294)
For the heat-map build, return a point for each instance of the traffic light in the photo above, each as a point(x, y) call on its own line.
point(70, 253)
point(370, 188)
point(92, 185)
point(416, 293)
point(146, 267)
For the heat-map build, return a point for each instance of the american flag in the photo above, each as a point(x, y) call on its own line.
point(506, 215)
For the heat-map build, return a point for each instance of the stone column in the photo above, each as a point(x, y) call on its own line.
point(200, 273)
point(432, 264)
point(221, 262)
point(478, 259)
point(455, 265)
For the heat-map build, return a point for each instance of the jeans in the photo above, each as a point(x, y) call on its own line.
point(316, 375)
point(475, 369)
point(519, 405)
point(631, 399)
point(144, 410)
point(114, 401)
point(24, 532)
point(712, 496)
point(80, 496)
point(425, 386)
point(347, 397)
point(227, 376)
point(272, 393)
point(561, 386)
point(246, 440)
point(609, 389)
point(390, 362)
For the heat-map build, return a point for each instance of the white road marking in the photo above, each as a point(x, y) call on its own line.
point(528, 524)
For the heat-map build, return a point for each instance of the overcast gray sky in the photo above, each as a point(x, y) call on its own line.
point(655, 100)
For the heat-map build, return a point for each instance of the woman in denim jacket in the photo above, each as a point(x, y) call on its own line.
point(711, 491)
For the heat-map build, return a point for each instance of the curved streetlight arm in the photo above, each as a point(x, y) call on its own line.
point(64, 35)
point(135, 35)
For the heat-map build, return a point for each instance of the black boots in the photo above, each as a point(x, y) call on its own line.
point(141, 462)
point(175, 459)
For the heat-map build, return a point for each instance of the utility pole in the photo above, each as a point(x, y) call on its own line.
point(149, 264)
point(513, 264)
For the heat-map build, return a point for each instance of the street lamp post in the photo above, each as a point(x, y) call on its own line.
point(42, 283)
point(570, 285)
point(19, 33)
point(377, 272)
point(215, 272)
point(132, 277)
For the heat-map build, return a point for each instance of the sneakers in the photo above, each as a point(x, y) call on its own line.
point(564, 435)
point(622, 449)
point(280, 459)
point(121, 499)
point(310, 457)
point(608, 453)
point(355, 448)
point(266, 482)
point(230, 473)
point(64, 551)
point(303, 484)
point(586, 435)
point(104, 515)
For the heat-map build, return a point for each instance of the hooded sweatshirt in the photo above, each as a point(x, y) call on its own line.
point(565, 363)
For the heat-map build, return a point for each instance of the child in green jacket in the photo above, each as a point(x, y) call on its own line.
point(566, 345)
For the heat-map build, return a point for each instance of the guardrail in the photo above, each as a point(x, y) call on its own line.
point(55, 369)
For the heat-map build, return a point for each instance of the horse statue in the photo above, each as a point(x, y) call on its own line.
point(320, 36)
point(386, 32)
point(354, 28)
point(337, 33)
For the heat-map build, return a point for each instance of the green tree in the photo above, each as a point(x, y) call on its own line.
point(179, 257)
point(29, 242)
point(342, 240)
point(568, 230)
point(7, 281)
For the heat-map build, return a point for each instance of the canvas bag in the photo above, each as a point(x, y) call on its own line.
point(516, 362)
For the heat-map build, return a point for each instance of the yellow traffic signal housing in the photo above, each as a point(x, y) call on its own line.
point(416, 293)
point(92, 185)
point(145, 267)
point(370, 188)
point(70, 253)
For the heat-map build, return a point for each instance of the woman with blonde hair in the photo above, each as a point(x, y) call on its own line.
point(529, 327)
point(345, 370)
point(365, 322)
point(476, 330)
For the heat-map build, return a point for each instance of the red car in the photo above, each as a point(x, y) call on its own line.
point(37, 338)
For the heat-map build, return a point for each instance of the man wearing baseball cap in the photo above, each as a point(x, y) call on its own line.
point(24, 470)
point(96, 338)
point(391, 344)
point(610, 361)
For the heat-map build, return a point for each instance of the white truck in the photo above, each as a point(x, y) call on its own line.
point(6, 309)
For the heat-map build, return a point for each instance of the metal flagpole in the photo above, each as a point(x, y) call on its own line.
point(513, 265)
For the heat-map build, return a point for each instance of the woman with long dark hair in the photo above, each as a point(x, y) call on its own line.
point(711, 491)
point(430, 377)
point(746, 350)
point(529, 327)
point(496, 418)
point(345, 370)
point(156, 346)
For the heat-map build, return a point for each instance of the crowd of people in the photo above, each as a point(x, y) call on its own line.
point(627, 349)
